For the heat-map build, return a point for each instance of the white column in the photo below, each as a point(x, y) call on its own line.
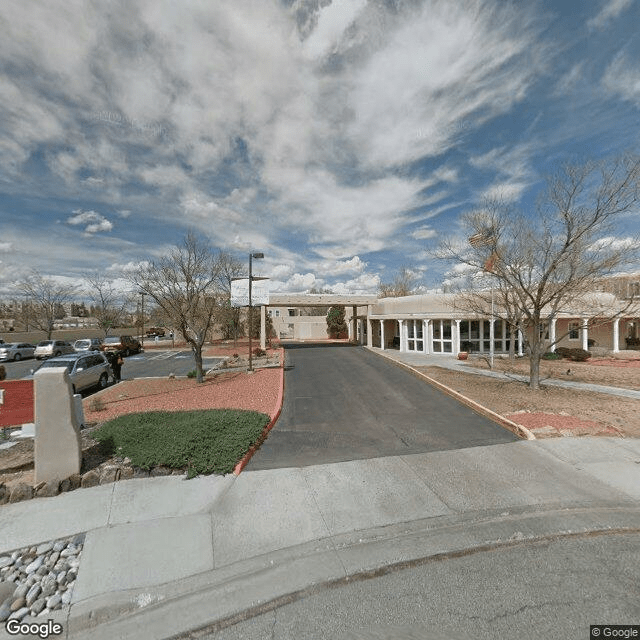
point(354, 322)
point(369, 332)
point(403, 346)
point(425, 336)
point(585, 334)
point(456, 349)
point(520, 341)
point(552, 334)
point(616, 335)
point(263, 326)
point(382, 334)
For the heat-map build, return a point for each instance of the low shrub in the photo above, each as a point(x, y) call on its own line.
point(200, 441)
point(550, 355)
point(192, 374)
point(577, 355)
point(258, 352)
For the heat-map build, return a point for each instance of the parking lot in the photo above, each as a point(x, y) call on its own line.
point(151, 363)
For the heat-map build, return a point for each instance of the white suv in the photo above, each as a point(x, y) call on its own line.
point(85, 370)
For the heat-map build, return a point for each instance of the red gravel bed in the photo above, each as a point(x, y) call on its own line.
point(234, 390)
point(534, 421)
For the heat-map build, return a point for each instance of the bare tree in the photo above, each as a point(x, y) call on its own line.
point(403, 284)
point(43, 298)
point(185, 285)
point(228, 318)
point(549, 262)
point(110, 305)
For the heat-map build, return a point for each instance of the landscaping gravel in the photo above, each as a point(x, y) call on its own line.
point(39, 579)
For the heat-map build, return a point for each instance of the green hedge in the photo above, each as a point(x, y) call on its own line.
point(202, 441)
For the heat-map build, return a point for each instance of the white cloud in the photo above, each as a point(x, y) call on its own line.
point(6, 247)
point(611, 9)
point(337, 267)
point(622, 78)
point(423, 233)
point(332, 21)
point(612, 243)
point(94, 221)
point(366, 283)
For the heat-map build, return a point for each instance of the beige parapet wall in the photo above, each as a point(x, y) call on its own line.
point(57, 448)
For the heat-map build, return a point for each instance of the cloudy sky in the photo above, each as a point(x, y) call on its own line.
point(341, 138)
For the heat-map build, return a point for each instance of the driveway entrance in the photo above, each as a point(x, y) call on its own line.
point(343, 402)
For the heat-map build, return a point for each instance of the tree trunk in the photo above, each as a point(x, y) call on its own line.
point(534, 357)
point(197, 356)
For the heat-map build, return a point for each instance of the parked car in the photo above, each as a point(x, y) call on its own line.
point(126, 345)
point(16, 350)
point(52, 348)
point(85, 370)
point(152, 332)
point(88, 344)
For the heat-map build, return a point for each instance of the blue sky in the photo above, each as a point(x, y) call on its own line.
point(342, 138)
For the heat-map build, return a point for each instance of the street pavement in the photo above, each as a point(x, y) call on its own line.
point(527, 539)
point(345, 403)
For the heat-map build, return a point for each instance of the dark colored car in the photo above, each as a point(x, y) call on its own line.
point(126, 345)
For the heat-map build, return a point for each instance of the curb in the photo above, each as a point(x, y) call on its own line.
point(224, 596)
point(247, 456)
point(517, 429)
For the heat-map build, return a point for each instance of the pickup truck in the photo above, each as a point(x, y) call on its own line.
point(152, 332)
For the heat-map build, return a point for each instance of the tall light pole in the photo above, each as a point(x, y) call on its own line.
point(257, 256)
point(143, 294)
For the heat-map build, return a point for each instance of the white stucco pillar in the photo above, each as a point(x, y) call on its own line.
point(263, 326)
point(403, 345)
point(425, 336)
point(381, 334)
point(585, 334)
point(354, 323)
point(520, 341)
point(552, 334)
point(616, 335)
point(456, 347)
point(369, 332)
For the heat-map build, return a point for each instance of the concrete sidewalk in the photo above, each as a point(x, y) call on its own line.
point(166, 555)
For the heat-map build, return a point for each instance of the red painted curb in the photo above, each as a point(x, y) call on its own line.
point(274, 418)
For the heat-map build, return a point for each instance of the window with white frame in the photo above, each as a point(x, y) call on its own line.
point(574, 330)
point(414, 335)
point(441, 341)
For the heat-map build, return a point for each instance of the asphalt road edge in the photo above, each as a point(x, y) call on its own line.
point(211, 601)
point(517, 429)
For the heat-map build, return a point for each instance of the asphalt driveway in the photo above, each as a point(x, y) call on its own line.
point(345, 403)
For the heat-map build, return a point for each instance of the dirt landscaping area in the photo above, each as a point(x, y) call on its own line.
point(554, 411)
point(231, 387)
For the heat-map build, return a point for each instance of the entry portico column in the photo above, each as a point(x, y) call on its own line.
point(403, 346)
point(457, 337)
point(552, 334)
point(263, 327)
point(369, 332)
point(585, 334)
point(354, 322)
point(425, 336)
point(520, 341)
point(381, 334)
point(616, 335)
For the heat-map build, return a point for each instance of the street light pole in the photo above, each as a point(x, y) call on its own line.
point(143, 294)
point(251, 256)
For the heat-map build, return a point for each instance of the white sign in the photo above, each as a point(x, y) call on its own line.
point(240, 293)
